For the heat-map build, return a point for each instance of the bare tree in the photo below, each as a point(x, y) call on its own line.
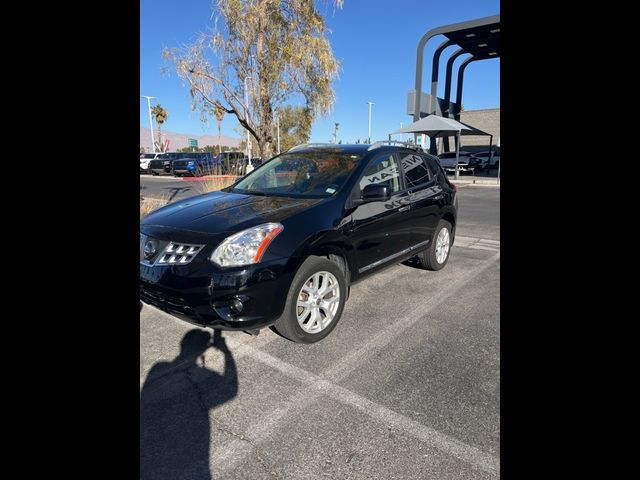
point(278, 49)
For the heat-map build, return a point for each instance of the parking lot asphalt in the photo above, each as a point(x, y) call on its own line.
point(407, 386)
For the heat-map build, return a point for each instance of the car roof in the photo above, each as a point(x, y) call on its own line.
point(353, 148)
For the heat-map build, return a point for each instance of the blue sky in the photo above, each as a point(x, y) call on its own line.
point(374, 40)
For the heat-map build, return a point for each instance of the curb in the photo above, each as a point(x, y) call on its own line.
point(209, 177)
point(482, 183)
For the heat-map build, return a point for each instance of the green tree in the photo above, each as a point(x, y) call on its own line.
point(188, 150)
point(160, 115)
point(278, 48)
point(295, 126)
point(219, 112)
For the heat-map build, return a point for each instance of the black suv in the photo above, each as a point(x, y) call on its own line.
point(162, 163)
point(284, 244)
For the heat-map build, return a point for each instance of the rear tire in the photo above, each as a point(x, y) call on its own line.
point(309, 314)
point(155, 174)
point(437, 255)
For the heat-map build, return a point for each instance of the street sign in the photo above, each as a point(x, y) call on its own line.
point(193, 142)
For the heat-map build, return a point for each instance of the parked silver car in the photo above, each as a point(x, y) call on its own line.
point(466, 162)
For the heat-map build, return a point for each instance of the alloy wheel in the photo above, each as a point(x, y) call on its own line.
point(318, 302)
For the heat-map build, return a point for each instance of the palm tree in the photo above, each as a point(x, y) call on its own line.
point(219, 112)
point(160, 115)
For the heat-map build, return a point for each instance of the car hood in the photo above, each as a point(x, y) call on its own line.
point(219, 212)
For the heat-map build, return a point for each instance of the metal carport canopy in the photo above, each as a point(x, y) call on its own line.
point(479, 38)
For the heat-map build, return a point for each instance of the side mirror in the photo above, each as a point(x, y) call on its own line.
point(375, 193)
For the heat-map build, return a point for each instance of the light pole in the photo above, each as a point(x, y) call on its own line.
point(369, 138)
point(153, 143)
point(246, 101)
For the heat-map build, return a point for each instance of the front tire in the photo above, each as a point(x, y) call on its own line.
point(314, 303)
point(437, 255)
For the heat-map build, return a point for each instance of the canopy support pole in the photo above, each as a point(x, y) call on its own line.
point(433, 146)
point(490, 152)
point(457, 151)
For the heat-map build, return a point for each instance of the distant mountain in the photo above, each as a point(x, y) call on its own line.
point(181, 140)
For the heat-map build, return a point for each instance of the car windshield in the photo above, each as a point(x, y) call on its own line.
point(148, 155)
point(312, 174)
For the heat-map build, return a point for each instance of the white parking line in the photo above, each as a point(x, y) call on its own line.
point(227, 457)
point(428, 435)
point(477, 243)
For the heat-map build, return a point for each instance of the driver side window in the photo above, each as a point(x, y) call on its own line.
point(383, 170)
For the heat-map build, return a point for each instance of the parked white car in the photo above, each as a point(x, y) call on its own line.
point(466, 162)
point(488, 159)
point(145, 158)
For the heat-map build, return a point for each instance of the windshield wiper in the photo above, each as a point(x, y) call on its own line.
point(251, 192)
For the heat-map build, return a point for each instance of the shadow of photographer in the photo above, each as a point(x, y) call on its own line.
point(175, 401)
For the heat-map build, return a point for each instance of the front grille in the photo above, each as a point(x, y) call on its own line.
point(180, 163)
point(155, 164)
point(167, 253)
point(178, 254)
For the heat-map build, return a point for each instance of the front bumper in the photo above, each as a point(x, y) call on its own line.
point(190, 170)
point(202, 293)
point(160, 170)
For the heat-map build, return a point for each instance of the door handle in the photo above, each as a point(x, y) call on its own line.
point(405, 208)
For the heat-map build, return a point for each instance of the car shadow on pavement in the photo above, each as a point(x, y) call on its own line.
point(175, 402)
point(413, 262)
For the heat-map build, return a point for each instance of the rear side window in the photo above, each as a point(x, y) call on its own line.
point(415, 169)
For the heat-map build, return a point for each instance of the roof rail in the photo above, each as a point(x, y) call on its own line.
point(306, 145)
point(382, 143)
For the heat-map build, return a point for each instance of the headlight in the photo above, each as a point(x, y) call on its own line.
point(190, 163)
point(246, 247)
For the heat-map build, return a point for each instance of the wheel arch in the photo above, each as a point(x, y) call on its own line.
point(331, 246)
point(450, 217)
